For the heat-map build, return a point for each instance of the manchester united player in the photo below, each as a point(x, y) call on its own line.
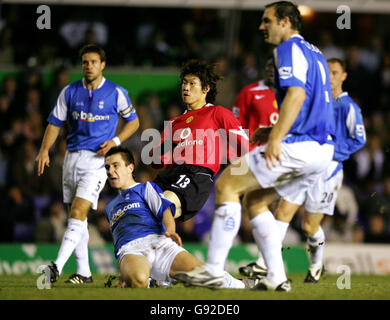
point(200, 139)
point(255, 105)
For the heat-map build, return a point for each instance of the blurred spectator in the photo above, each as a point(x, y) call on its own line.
point(385, 82)
point(226, 89)
point(173, 110)
point(6, 47)
point(376, 232)
point(249, 72)
point(154, 110)
point(370, 160)
point(328, 48)
point(61, 79)
point(9, 89)
point(22, 169)
point(189, 45)
point(19, 207)
point(51, 228)
point(5, 112)
point(380, 203)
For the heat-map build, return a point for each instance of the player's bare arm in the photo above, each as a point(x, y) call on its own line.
point(170, 226)
point(49, 138)
point(127, 131)
point(291, 106)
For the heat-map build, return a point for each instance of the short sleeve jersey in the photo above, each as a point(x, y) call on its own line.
point(92, 114)
point(300, 64)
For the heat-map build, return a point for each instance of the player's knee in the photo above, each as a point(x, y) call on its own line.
point(308, 228)
point(139, 280)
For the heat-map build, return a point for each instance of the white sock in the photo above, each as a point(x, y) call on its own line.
point(72, 236)
point(317, 243)
point(81, 253)
point(226, 223)
point(230, 282)
point(283, 226)
point(267, 236)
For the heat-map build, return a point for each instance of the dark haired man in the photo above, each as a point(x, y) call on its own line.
point(200, 139)
point(92, 107)
point(143, 226)
point(298, 151)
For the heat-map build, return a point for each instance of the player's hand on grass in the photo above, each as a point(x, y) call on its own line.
point(260, 135)
point(105, 147)
point(42, 160)
point(174, 236)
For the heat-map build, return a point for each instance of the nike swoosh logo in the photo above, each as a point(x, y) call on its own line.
point(257, 97)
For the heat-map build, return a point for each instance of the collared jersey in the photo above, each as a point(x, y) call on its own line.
point(92, 114)
point(255, 106)
point(203, 137)
point(350, 131)
point(137, 212)
point(300, 64)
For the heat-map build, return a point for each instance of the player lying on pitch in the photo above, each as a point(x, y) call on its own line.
point(141, 219)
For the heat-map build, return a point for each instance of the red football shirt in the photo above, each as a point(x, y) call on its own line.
point(256, 106)
point(205, 137)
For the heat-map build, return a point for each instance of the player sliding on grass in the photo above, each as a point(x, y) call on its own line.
point(141, 219)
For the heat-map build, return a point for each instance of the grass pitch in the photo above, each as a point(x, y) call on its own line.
point(363, 287)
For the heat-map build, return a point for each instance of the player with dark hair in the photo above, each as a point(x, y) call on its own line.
point(92, 107)
point(321, 196)
point(141, 219)
point(298, 150)
point(200, 139)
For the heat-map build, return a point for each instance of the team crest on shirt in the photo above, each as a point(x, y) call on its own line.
point(101, 104)
point(285, 72)
point(189, 119)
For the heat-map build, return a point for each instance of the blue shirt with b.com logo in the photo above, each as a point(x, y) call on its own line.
point(136, 213)
point(92, 114)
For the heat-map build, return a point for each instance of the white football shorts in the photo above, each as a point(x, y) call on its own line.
point(302, 164)
point(83, 176)
point(321, 197)
point(158, 249)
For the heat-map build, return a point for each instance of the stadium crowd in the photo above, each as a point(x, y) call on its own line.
point(31, 208)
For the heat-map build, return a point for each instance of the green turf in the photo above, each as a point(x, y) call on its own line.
point(362, 287)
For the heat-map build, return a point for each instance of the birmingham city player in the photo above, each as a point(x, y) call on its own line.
point(199, 139)
point(321, 197)
point(298, 150)
point(141, 219)
point(92, 107)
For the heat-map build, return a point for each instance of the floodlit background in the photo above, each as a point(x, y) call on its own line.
point(146, 42)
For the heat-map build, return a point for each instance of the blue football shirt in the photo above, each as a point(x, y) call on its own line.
point(137, 212)
point(300, 64)
point(92, 114)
